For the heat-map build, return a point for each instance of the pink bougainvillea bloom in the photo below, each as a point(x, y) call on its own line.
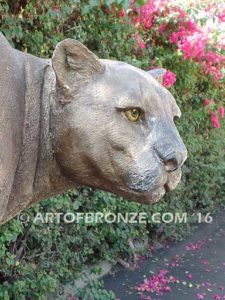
point(148, 23)
point(141, 44)
point(221, 111)
point(169, 79)
point(206, 102)
point(192, 26)
point(200, 296)
point(161, 28)
point(216, 296)
point(182, 13)
point(139, 41)
point(193, 46)
point(221, 18)
point(189, 276)
point(191, 38)
point(122, 13)
point(215, 121)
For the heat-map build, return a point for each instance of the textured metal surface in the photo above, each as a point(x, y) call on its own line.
point(62, 123)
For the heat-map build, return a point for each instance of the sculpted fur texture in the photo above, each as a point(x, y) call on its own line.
point(78, 120)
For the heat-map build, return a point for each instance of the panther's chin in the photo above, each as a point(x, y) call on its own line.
point(150, 197)
point(166, 183)
point(155, 193)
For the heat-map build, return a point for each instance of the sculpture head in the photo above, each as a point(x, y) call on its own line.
point(113, 126)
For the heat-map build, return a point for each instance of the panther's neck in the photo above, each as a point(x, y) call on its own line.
point(38, 175)
point(48, 179)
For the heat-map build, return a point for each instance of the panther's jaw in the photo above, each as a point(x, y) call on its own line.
point(154, 194)
point(142, 197)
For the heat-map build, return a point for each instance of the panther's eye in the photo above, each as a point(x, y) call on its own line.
point(133, 114)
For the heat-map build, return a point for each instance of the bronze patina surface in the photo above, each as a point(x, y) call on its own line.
point(78, 120)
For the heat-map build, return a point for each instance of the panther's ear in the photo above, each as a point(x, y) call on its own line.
point(157, 74)
point(74, 65)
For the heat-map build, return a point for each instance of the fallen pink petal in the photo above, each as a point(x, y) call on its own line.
point(204, 261)
point(195, 246)
point(157, 283)
point(200, 296)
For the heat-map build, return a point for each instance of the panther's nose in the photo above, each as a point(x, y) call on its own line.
point(172, 160)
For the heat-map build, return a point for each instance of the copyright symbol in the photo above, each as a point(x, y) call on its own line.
point(23, 218)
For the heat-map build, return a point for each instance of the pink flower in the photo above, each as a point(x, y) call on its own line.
point(139, 41)
point(192, 39)
point(148, 23)
point(214, 121)
point(169, 79)
point(216, 296)
point(189, 276)
point(221, 18)
point(182, 13)
point(161, 28)
point(221, 111)
point(192, 26)
point(141, 44)
point(122, 13)
point(193, 46)
point(206, 102)
point(213, 63)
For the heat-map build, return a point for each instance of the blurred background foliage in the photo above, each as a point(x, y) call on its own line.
point(36, 259)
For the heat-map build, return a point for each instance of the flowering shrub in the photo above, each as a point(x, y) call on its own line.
point(198, 36)
point(192, 39)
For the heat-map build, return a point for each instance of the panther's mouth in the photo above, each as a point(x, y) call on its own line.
point(155, 193)
point(165, 183)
